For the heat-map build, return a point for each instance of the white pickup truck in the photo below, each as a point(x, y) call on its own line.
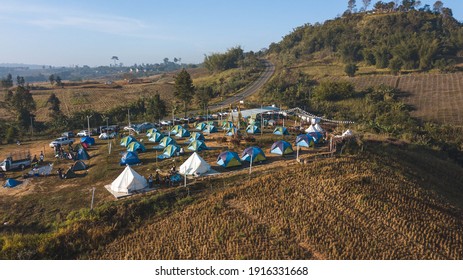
point(9, 164)
point(63, 141)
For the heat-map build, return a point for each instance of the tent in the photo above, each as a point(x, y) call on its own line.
point(79, 146)
point(304, 140)
point(87, 139)
point(281, 148)
point(227, 125)
point(129, 158)
point(316, 136)
point(182, 132)
point(11, 183)
point(347, 133)
point(194, 165)
point(252, 129)
point(228, 159)
point(104, 136)
point(136, 146)
point(197, 145)
point(196, 136)
point(210, 129)
point(280, 130)
point(315, 120)
point(232, 131)
point(128, 181)
point(169, 151)
point(69, 174)
point(155, 137)
point(127, 140)
point(166, 141)
point(254, 153)
point(314, 128)
point(79, 165)
point(82, 154)
point(176, 128)
point(201, 126)
point(150, 131)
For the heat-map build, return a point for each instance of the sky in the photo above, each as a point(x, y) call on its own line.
point(90, 32)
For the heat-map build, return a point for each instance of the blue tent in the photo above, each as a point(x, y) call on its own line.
point(182, 132)
point(228, 159)
point(232, 131)
point(129, 158)
point(155, 137)
point(82, 154)
point(281, 148)
point(196, 136)
point(280, 130)
point(127, 140)
point(197, 145)
point(151, 131)
point(169, 151)
point(11, 183)
point(252, 129)
point(317, 136)
point(87, 139)
point(253, 152)
point(166, 141)
point(136, 146)
point(304, 140)
point(210, 129)
point(201, 126)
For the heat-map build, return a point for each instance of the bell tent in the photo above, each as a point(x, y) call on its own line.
point(281, 148)
point(228, 159)
point(194, 165)
point(128, 181)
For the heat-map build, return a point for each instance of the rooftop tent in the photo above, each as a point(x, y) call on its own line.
point(170, 151)
point(127, 140)
point(128, 181)
point(78, 166)
point(281, 148)
point(317, 136)
point(252, 129)
point(201, 126)
point(194, 165)
point(182, 132)
point(197, 145)
point(87, 139)
point(280, 130)
point(227, 125)
point(196, 136)
point(136, 146)
point(304, 140)
point(254, 153)
point(82, 154)
point(166, 141)
point(11, 183)
point(155, 137)
point(129, 158)
point(232, 131)
point(228, 159)
point(210, 129)
point(69, 174)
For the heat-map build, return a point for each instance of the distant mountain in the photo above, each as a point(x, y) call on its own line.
point(22, 65)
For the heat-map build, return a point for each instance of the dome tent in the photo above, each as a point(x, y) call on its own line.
point(136, 146)
point(280, 130)
point(155, 137)
point(281, 148)
point(197, 145)
point(253, 153)
point(127, 140)
point(305, 140)
point(129, 158)
point(228, 159)
point(252, 129)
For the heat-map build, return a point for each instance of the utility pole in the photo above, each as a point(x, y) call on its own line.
point(32, 128)
point(261, 120)
point(88, 124)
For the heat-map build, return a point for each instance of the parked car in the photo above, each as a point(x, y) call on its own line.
point(61, 141)
point(166, 123)
point(9, 163)
point(83, 133)
point(68, 134)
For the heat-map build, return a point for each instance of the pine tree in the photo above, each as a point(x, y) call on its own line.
point(184, 89)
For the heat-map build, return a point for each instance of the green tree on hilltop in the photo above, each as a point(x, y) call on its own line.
point(184, 89)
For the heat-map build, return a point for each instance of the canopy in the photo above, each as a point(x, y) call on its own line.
point(166, 141)
point(254, 153)
point(136, 146)
point(281, 148)
point(252, 129)
point(197, 145)
point(11, 183)
point(79, 165)
point(194, 165)
point(127, 140)
point(228, 159)
point(280, 130)
point(129, 158)
point(155, 137)
point(182, 132)
point(128, 181)
point(87, 139)
point(304, 140)
point(196, 136)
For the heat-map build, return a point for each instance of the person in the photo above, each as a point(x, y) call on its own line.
point(34, 160)
point(157, 179)
point(172, 170)
point(167, 181)
point(150, 181)
point(60, 173)
point(41, 157)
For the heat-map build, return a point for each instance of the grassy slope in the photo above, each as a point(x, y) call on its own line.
point(361, 207)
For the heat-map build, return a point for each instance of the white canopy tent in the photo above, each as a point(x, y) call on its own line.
point(194, 165)
point(128, 181)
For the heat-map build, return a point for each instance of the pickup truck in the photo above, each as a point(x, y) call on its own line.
point(61, 141)
point(9, 164)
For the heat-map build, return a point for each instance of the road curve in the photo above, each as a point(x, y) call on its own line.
point(249, 90)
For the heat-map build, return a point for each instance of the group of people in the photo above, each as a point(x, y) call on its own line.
point(157, 180)
point(61, 153)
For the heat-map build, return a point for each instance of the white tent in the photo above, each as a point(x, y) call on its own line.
point(194, 165)
point(128, 181)
point(347, 133)
point(318, 128)
point(311, 129)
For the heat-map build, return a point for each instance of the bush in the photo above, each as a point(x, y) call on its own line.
point(351, 69)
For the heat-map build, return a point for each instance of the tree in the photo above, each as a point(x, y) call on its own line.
point(437, 7)
point(115, 58)
point(23, 103)
point(156, 107)
point(51, 78)
point(395, 65)
point(166, 60)
point(366, 3)
point(8, 81)
point(20, 81)
point(203, 97)
point(58, 81)
point(351, 69)
point(54, 102)
point(184, 89)
point(351, 5)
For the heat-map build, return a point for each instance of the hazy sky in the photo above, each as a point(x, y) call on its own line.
point(90, 32)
